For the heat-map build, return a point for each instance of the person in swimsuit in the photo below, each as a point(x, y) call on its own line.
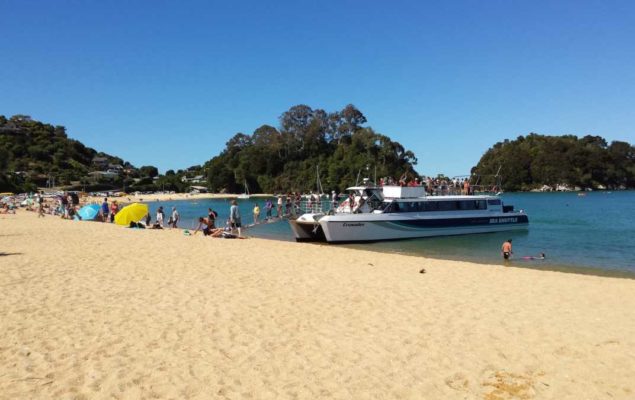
point(211, 214)
point(209, 226)
point(506, 249)
point(542, 256)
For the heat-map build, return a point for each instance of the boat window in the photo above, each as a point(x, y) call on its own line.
point(495, 202)
point(392, 208)
point(472, 205)
point(447, 205)
point(431, 206)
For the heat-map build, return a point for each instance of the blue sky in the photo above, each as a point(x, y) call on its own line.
point(167, 83)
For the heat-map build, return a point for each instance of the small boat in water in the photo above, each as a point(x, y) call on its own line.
point(373, 213)
point(245, 195)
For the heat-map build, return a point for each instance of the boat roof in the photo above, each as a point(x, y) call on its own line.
point(363, 187)
point(447, 197)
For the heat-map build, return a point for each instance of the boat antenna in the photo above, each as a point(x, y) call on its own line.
point(357, 179)
point(498, 180)
point(319, 184)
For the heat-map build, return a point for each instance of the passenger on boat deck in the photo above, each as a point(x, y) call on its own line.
point(359, 202)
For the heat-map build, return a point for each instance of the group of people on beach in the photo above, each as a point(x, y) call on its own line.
point(233, 226)
point(67, 205)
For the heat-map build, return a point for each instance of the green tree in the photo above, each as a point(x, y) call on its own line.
point(149, 171)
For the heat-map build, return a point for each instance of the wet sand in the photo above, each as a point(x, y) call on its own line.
point(96, 311)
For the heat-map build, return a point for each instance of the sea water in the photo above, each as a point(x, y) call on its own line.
point(593, 232)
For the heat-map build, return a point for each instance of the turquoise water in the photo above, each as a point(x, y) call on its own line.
point(591, 233)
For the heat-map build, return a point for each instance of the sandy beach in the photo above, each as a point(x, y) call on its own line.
point(96, 311)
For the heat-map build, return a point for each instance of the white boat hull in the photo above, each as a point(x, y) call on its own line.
point(369, 227)
point(307, 228)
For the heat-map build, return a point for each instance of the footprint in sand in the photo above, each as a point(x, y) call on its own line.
point(503, 385)
point(457, 381)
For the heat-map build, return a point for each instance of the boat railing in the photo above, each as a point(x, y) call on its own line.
point(325, 205)
point(308, 206)
point(452, 190)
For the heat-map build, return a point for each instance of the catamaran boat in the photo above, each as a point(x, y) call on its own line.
point(375, 213)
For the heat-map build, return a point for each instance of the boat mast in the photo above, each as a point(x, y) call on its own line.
point(318, 183)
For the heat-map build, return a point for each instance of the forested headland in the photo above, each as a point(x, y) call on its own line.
point(33, 153)
point(287, 158)
point(533, 161)
point(337, 145)
point(36, 154)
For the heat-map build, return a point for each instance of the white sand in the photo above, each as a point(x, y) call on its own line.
point(96, 311)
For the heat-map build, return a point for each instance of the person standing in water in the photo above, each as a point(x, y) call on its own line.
point(256, 214)
point(279, 209)
point(268, 207)
point(160, 216)
point(506, 249)
point(175, 217)
point(234, 217)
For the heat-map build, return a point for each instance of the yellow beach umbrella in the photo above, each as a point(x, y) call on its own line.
point(131, 213)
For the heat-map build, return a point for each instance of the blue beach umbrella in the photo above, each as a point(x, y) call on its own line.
point(88, 212)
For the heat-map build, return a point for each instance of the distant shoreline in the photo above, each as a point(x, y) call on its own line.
point(172, 197)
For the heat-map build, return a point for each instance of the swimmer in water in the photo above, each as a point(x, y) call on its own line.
point(542, 256)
